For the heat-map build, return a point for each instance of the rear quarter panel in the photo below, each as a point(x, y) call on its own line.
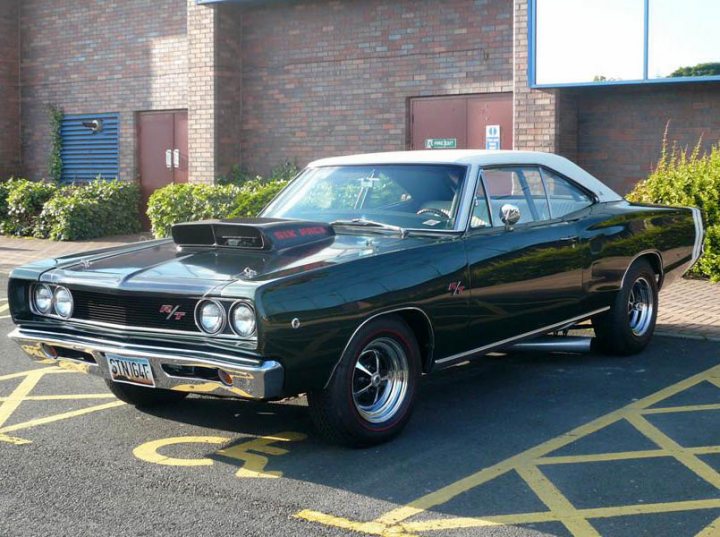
point(617, 233)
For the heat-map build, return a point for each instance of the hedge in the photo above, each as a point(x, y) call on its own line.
point(244, 196)
point(691, 179)
point(97, 209)
point(25, 201)
point(189, 202)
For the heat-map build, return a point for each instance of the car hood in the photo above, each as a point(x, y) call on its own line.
point(160, 266)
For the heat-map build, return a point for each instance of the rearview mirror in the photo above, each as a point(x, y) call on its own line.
point(510, 215)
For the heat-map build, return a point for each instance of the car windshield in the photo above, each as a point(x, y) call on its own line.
point(408, 196)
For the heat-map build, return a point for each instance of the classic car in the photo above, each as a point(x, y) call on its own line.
point(363, 274)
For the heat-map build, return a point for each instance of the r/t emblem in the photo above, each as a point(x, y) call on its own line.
point(456, 287)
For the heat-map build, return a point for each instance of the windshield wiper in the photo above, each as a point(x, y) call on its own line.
point(370, 224)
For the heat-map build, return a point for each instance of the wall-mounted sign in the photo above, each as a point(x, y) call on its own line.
point(492, 137)
point(441, 143)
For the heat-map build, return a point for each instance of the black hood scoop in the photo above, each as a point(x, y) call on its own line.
point(251, 233)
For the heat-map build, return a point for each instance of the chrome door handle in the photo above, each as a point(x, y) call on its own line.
point(176, 158)
point(570, 238)
point(168, 159)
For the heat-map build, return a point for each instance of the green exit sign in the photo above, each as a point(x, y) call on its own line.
point(441, 143)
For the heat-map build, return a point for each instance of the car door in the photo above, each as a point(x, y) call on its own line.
point(527, 276)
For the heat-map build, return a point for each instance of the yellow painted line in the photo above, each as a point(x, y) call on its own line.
point(58, 417)
point(447, 493)
point(4, 307)
point(711, 530)
point(148, 451)
point(694, 464)
point(255, 464)
point(69, 397)
point(5, 316)
point(591, 513)
point(370, 528)
point(13, 440)
point(44, 371)
point(622, 455)
point(688, 408)
point(551, 496)
point(22, 390)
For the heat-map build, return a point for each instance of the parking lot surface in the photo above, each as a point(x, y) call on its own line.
point(523, 444)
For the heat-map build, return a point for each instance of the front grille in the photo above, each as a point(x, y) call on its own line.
point(141, 311)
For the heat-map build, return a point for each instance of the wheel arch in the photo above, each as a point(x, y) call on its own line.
point(656, 262)
point(419, 323)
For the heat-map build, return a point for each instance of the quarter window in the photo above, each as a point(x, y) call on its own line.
point(564, 197)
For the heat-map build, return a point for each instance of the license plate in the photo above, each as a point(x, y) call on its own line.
point(130, 370)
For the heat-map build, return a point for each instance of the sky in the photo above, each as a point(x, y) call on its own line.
point(578, 40)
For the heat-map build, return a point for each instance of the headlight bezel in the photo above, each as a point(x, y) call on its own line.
point(231, 318)
point(198, 316)
point(55, 309)
point(34, 300)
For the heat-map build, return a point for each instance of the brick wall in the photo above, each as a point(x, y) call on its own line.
point(323, 78)
point(229, 80)
point(535, 112)
point(620, 129)
point(9, 90)
point(91, 56)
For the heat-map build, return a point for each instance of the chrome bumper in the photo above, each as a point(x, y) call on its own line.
point(172, 368)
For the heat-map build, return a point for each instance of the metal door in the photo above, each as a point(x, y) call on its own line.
point(462, 119)
point(162, 151)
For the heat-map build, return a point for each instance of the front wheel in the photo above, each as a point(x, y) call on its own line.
point(372, 391)
point(629, 325)
point(143, 397)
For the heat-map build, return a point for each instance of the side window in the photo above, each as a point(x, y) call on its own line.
point(519, 186)
point(564, 197)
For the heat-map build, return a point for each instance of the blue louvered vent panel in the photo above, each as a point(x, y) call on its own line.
point(89, 152)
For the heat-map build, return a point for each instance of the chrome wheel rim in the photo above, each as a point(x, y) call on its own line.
point(380, 380)
point(641, 306)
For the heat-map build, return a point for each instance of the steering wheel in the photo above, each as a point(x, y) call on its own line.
point(435, 212)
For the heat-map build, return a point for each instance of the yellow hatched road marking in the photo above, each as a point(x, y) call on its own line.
point(58, 417)
point(561, 509)
point(22, 392)
point(68, 397)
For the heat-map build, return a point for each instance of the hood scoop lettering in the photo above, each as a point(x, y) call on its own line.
point(251, 233)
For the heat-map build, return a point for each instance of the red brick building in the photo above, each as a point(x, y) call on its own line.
point(187, 89)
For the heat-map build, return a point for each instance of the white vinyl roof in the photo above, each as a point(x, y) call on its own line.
point(477, 157)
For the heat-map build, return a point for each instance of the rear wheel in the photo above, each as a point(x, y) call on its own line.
point(371, 393)
point(629, 325)
point(143, 397)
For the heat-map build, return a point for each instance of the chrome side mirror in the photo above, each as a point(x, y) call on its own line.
point(510, 215)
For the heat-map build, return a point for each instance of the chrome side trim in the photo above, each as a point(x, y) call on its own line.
point(388, 312)
point(502, 342)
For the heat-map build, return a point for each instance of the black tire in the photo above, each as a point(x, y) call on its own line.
point(143, 397)
point(343, 414)
point(623, 330)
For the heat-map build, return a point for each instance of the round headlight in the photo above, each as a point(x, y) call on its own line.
point(43, 298)
point(243, 320)
point(63, 302)
point(211, 317)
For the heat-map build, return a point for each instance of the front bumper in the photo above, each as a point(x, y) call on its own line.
point(173, 369)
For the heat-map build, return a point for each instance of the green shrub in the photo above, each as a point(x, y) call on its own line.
point(255, 195)
point(4, 191)
point(96, 209)
point(692, 179)
point(189, 202)
point(25, 201)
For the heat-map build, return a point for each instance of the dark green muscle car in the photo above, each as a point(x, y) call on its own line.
point(363, 274)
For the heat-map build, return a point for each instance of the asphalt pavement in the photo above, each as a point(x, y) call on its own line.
point(521, 445)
